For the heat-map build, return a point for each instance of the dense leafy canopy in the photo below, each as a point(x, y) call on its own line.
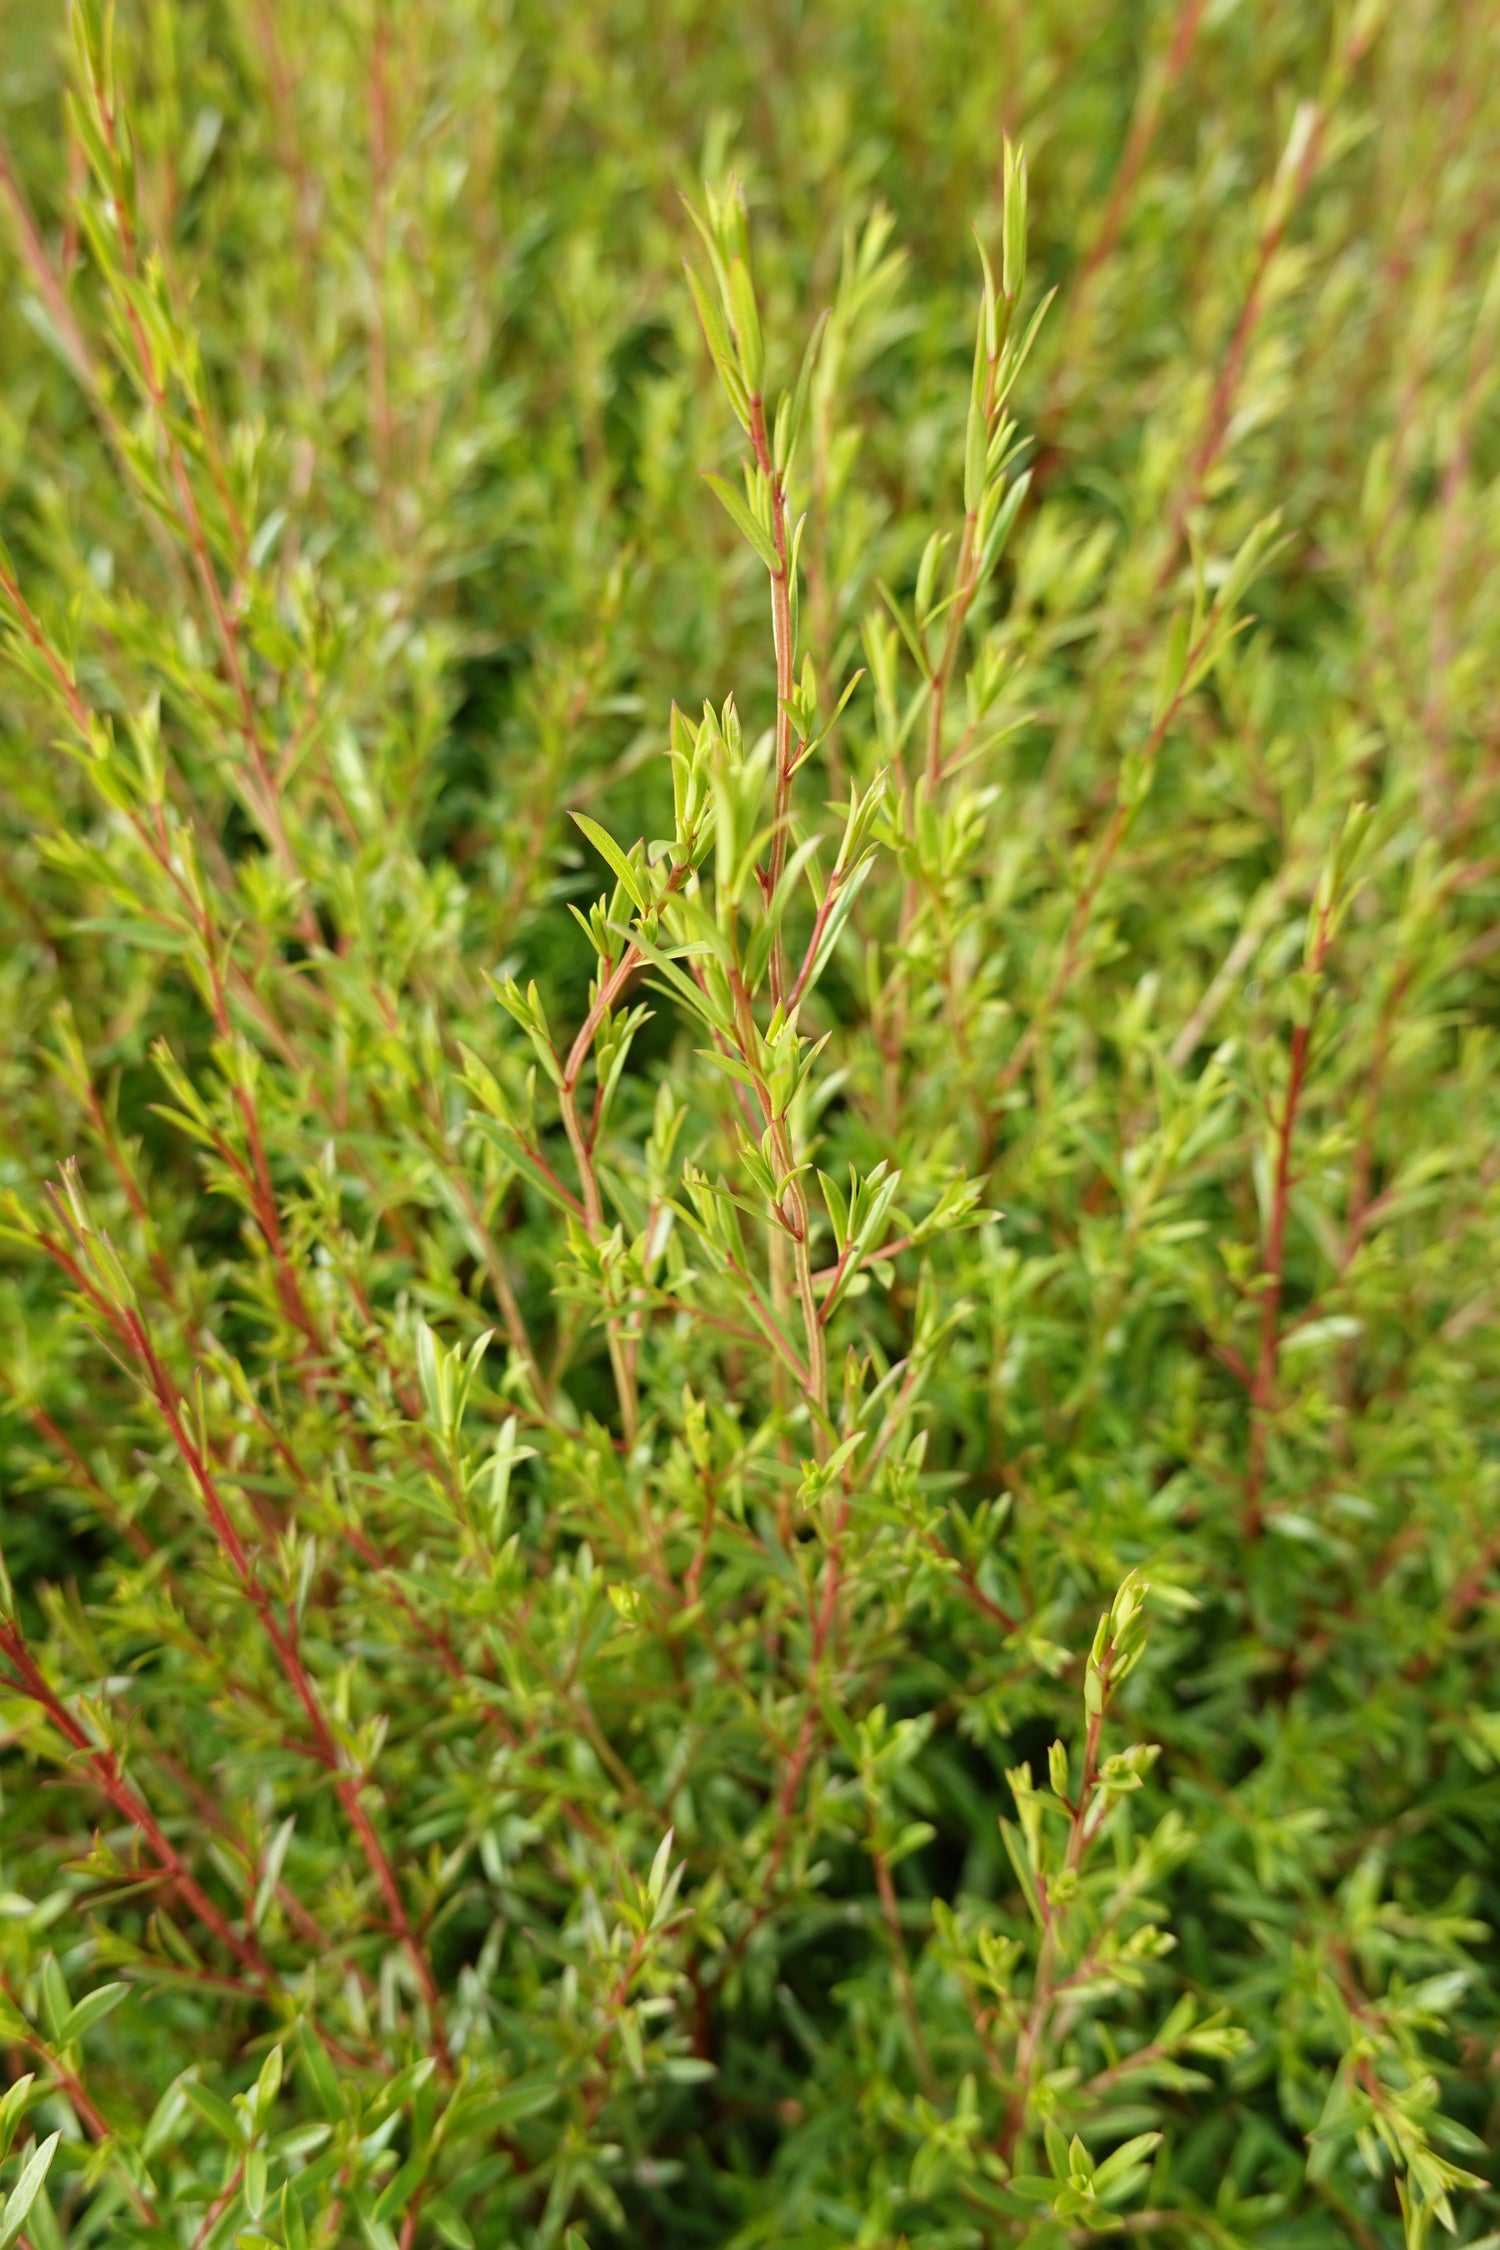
point(748, 1340)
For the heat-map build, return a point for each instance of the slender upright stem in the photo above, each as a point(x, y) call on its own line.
point(621, 1359)
point(347, 1784)
point(890, 1912)
point(129, 1804)
point(1263, 1386)
point(781, 634)
point(1080, 1835)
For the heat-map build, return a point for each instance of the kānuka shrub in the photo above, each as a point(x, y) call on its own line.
point(749, 1336)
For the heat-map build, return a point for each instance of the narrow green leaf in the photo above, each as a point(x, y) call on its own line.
point(711, 320)
point(731, 1066)
point(608, 850)
point(320, 2073)
point(1004, 523)
point(215, 2112)
point(27, 2188)
point(13, 2109)
point(787, 450)
point(747, 326)
point(453, 2228)
point(754, 533)
point(293, 2224)
point(91, 2009)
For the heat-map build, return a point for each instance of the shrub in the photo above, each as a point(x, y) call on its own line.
point(751, 1343)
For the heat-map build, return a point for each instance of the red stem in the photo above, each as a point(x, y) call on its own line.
point(130, 1806)
point(1263, 1388)
point(781, 634)
point(346, 1784)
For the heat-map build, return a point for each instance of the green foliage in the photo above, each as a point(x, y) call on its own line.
point(748, 1332)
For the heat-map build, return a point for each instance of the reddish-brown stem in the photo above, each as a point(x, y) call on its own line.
point(609, 992)
point(1363, 1167)
point(791, 1222)
point(1103, 860)
point(770, 1327)
point(68, 687)
point(1236, 961)
point(1080, 1835)
point(1263, 1388)
point(965, 574)
point(974, 1593)
point(1226, 386)
point(346, 1784)
point(1287, 196)
point(94, 2123)
point(1449, 558)
point(807, 1734)
point(966, 579)
point(516, 1331)
point(268, 1218)
point(127, 1179)
point(1464, 1596)
point(613, 2005)
point(43, 278)
point(49, 286)
point(831, 1275)
point(901, 1970)
point(288, 149)
point(621, 1353)
point(219, 2206)
point(1067, 965)
point(225, 626)
point(128, 1803)
point(820, 924)
point(1143, 125)
point(781, 635)
point(966, 586)
point(380, 405)
point(694, 1579)
point(129, 1530)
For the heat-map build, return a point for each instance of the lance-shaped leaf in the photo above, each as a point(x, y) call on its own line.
point(749, 528)
point(91, 2009)
point(27, 2188)
point(609, 851)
